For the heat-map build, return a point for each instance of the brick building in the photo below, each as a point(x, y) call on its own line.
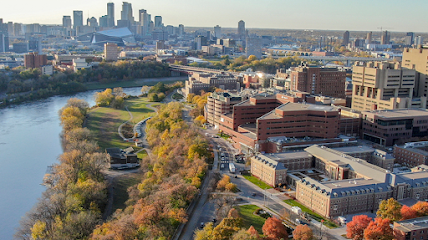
point(205, 81)
point(318, 80)
point(411, 229)
point(391, 127)
point(412, 154)
point(34, 60)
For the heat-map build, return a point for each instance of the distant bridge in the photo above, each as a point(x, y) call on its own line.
point(346, 60)
point(190, 70)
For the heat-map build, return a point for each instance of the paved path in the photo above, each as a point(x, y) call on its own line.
point(119, 130)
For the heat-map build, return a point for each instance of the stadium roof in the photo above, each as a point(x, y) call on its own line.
point(118, 32)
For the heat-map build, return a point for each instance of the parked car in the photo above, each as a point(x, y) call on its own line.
point(202, 225)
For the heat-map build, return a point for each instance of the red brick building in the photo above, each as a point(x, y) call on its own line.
point(416, 228)
point(34, 60)
point(317, 80)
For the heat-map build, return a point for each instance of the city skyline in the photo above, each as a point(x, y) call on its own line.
point(393, 15)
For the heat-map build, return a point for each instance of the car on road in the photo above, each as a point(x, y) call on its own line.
point(202, 225)
point(214, 220)
point(254, 194)
point(236, 176)
point(221, 166)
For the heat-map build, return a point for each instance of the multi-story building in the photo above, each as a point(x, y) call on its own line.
point(371, 155)
point(318, 80)
point(66, 22)
point(34, 60)
point(241, 30)
point(77, 19)
point(254, 46)
point(111, 51)
point(345, 40)
point(217, 31)
point(384, 86)
point(412, 154)
point(416, 228)
point(204, 81)
point(391, 127)
point(385, 38)
point(110, 14)
point(220, 103)
point(416, 59)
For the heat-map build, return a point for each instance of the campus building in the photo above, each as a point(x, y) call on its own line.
point(198, 82)
point(391, 127)
point(318, 80)
point(412, 154)
point(415, 228)
point(34, 60)
point(416, 59)
point(384, 86)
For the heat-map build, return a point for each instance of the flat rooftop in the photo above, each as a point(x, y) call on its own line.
point(354, 149)
point(399, 113)
point(412, 224)
point(286, 156)
point(305, 106)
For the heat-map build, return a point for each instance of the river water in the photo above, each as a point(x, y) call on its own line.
point(29, 143)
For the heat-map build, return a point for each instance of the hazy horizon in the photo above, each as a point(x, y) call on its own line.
point(363, 15)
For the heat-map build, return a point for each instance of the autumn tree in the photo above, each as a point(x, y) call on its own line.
point(302, 232)
point(253, 232)
point(274, 229)
point(103, 99)
point(221, 185)
point(421, 208)
point(243, 235)
point(355, 228)
point(389, 209)
point(408, 213)
point(379, 229)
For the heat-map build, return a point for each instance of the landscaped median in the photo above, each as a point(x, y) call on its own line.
point(313, 215)
point(257, 182)
point(249, 218)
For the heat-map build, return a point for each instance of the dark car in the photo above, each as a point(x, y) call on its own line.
point(202, 225)
point(254, 194)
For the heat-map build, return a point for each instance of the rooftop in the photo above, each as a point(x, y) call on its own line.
point(412, 224)
point(306, 106)
point(117, 32)
point(354, 149)
point(399, 113)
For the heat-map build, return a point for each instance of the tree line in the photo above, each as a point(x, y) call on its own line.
point(390, 210)
point(27, 84)
point(173, 172)
point(76, 193)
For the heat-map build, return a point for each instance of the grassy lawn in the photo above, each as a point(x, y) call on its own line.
point(257, 182)
point(249, 219)
point(225, 136)
point(121, 184)
point(105, 121)
point(143, 154)
point(314, 215)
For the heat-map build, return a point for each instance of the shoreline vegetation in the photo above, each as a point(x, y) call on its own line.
point(76, 195)
point(20, 85)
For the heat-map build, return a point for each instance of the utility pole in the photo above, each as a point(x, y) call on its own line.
point(322, 220)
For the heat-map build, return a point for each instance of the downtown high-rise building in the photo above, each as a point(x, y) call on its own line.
point(408, 40)
point(369, 37)
point(158, 21)
point(4, 37)
point(110, 15)
point(384, 38)
point(180, 30)
point(77, 18)
point(217, 31)
point(126, 13)
point(345, 40)
point(66, 22)
point(241, 30)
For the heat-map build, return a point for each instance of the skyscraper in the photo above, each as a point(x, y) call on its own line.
point(241, 29)
point(77, 19)
point(409, 38)
point(66, 22)
point(254, 47)
point(92, 22)
point(110, 14)
point(217, 31)
point(345, 40)
point(385, 38)
point(369, 37)
point(158, 21)
point(180, 30)
point(126, 13)
point(4, 37)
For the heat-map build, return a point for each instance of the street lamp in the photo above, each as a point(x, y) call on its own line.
point(322, 221)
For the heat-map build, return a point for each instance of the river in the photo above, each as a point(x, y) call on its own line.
point(29, 143)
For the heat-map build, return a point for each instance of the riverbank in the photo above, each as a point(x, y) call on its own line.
point(30, 97)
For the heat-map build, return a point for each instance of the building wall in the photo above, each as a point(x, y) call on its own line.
point(407, 157)
point(416, 58)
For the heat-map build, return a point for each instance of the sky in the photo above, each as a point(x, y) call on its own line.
point(356, 15)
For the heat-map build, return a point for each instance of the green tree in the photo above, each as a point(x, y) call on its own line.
point(389, 209)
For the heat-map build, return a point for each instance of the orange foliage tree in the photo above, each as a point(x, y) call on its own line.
point(421, 208)
point(408, 213)
point(355, 228)
point(379, 229)
point(302, 232)
point(273, 229)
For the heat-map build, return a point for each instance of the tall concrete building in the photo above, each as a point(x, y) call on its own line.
point(103, 21)
point(110, 14)
point(241, 30)
point(384, 86)
point(217, 31)
point(409, 38)
point(316, 80)
point(77, 19)
point(158, 22)
point(92, 22)
point(111, 52)
point(416, 59)
point(345, 40)
point(254, 47)
point(419, 40)
point(34, 60)
point(181, 30)
point(126, 13)
point(369, 37)
point(4, 37)
point(66, 22)
point(385, 39)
